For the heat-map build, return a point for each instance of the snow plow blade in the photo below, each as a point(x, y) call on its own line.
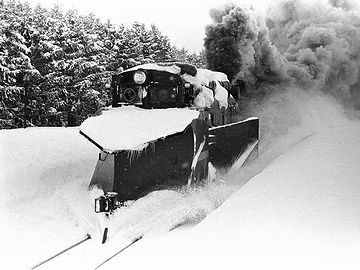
point(165, 163)
point(232, 143)
point(175, 160)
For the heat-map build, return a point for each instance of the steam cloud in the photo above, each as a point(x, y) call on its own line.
point(302, 45)
point(300, 65)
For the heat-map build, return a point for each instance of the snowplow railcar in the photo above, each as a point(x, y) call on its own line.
point(193, 114)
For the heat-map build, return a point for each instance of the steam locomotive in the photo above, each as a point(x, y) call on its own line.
point(214, 139)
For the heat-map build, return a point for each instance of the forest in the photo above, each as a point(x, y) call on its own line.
point(56, 65)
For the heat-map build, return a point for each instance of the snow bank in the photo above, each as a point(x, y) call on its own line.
point(44, 201)
point(132, 128)
point(301, 212)
point(38, 160)
point(45, 204)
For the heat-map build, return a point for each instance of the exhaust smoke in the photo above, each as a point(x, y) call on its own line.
point(299, 66)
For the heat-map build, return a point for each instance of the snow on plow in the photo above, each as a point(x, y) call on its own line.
point(167, 124)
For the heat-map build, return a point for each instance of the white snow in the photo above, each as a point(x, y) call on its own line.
point(200, 82)
point(45, 205)
point(300, 212)
point(221, 95)
point(44, 202)
point(303, 208)
point(204, 98)
point(152, 66)
point(132, 128)
point(203, 77)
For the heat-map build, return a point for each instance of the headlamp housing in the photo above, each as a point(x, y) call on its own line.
point(139, 77)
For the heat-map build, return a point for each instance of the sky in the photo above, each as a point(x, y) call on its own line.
point(182, 21)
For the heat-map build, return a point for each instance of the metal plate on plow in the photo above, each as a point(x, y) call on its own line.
point(166, 162)
point(228, 142)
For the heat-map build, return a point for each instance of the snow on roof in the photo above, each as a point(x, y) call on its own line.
point(132, 128)
point(152, 66)
point(203, 77)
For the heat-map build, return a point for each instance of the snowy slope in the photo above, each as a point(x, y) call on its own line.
point(45, 204)
point(44, 174)
point(301, 212)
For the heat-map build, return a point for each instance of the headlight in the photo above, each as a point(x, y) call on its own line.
point(139, 77)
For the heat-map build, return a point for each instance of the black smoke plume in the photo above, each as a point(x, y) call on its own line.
point(299, 65)
point(302, 45)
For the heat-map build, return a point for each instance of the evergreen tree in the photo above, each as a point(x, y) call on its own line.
point(19, 78)
point(56, 64)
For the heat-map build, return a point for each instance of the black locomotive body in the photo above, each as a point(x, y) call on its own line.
point(151, 88)
point(178, 159)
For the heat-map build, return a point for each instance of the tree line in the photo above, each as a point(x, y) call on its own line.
point(56, 66)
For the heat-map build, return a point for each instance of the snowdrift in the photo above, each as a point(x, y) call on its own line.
point(44, 178)
point(45, 204)
point(301, 212)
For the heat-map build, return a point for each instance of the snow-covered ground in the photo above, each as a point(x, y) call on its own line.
point(45, 204)
point(44, 174)
point(299, 211)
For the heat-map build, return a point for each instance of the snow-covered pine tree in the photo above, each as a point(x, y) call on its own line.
point(56, 64)
point(18, 78)
point(161, 45)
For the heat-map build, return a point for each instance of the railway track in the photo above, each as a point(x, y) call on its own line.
point(81, 254)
